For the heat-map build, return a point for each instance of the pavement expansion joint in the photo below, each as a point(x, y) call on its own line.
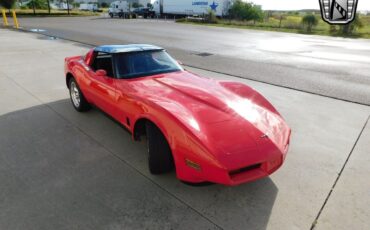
point(339, 175)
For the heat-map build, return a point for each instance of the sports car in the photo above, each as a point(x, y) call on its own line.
point(206, 130)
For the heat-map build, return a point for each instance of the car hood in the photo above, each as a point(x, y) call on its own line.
point(224, 121)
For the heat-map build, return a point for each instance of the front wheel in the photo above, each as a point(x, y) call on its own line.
point(78, 100)
point(160, 156)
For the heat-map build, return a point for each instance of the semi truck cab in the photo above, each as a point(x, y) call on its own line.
point(119, 8)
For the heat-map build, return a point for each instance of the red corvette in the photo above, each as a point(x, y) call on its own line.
point(207, 130)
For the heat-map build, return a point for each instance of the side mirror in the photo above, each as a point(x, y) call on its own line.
point(101, 73)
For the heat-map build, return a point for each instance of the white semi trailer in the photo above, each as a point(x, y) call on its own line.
point(88, 7)
point(191, 7)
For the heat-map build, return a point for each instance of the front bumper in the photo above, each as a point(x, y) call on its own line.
point(231, 177)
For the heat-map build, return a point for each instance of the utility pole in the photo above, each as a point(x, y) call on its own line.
point(49, 6)
point(281, 19)
point(68, 6)
point(33, 7)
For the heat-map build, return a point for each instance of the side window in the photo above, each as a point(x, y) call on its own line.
point(116, 6)
point(103, 61)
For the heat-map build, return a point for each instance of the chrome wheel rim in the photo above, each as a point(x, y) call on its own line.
point(75, 94)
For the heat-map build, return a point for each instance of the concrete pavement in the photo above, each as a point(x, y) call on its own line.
point(351, 197)
point(64, 170)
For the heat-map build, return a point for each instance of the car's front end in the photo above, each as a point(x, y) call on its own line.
point(229, 137)
point(233, 157)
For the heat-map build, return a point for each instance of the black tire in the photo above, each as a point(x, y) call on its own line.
point(111, 15)
point(83, 105)
point(120, 15)
point(160, 156)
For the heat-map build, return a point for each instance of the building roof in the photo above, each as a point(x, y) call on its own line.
point(126, 48)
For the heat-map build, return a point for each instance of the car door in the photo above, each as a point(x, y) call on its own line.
point(102, 88)
point(126, 105)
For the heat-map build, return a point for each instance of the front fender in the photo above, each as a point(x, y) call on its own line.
point(183, 142)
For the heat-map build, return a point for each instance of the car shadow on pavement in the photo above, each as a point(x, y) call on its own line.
point(61, 165)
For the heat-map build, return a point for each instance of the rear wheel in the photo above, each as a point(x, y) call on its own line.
point(77, 98)
point(160, 156)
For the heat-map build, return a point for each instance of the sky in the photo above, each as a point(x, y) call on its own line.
point(300, 4)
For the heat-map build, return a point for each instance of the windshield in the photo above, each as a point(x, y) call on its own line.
point(146, 63)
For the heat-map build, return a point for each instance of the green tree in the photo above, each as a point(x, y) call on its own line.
point(48, 2)
point(281, 18)
point(351, 28)
point(7, 4)
point(136, 5)
point(333, 29)
point(211, 17)
point(246, 11)
point(149, 5)
point(77, 4)
point(38, 4)
point(309, 21)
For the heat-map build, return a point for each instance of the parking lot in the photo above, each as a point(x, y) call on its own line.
point(64, 170)
point(329, 66)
